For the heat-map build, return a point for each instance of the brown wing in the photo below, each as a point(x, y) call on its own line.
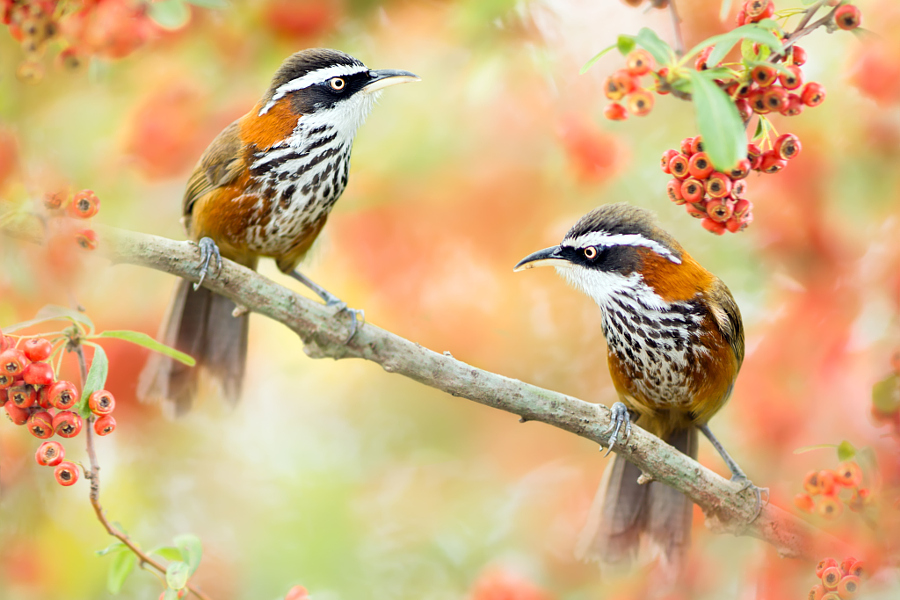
point(728, 317)
point(220, 164)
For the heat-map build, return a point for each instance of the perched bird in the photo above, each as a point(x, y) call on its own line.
point(675, 343)
point(263, 188)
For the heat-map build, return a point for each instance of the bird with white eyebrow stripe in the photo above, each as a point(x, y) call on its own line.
point(264, 188)
point(675, 343)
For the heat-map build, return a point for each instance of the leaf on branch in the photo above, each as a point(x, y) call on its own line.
point(177, 574)
point(52, 312)
point(112, 547)
point(170, 553)
point(142, 339)
point(170, 594)
point(96, 378)
point(191, 549)
point(649, 41)
point(719, 123)
point(845, 451)
point(886, 395)
point(725, 42)
point(121, 567)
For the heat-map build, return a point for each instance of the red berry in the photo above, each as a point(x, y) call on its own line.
point(763, 75)
point(858, 569)
point(848, 474)
point(697, 145)
point(700, 166)
point(804, 502)
point(742, 208)
point(37, 349)
point(639, 102)
point(718, 186)
point(719, 209)
point(824, 564)
point(615, 112)
point(817, 592)
point(793, 79)
point(848, 587)
point(831, 577)
point(701, 63)
point(40, 424)
point(19, 416)
point(84, 205)
point(105, 425)
point(661, 76)
point(298, 592)
point(50, 454)
point(101, 402)
point(673, 191)
point(847, 17)
point(793, 106)
point(739, 188)
point(811, 483)
point(38, 373)
point(813, 94)
point(713, 226)
point(66, 473)
point(67, 424)
point(686, 145)
point(692, 190)
point(639, 62)
point(666, 157)
point(826, 482)
point(63, 395)
point(13, 362)
point(740, 170)
point(798, 55)
point(846, 564)
point(744, 109)
point(86, 238)
point(754, 154)
point(22, 395)
point(775, 98)
point(757, 102)
point(756, 8)
point(678, 166)
point(696, 210)
point(771, 163)
point(44, 397)
point(787, 146)
point(830, 507)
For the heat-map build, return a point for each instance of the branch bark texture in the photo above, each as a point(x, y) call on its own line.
point(728, 510)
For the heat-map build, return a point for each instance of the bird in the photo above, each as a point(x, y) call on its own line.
point(263, 188)
point(675, 344)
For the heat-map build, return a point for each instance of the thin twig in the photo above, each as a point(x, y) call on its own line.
point(94, 477)
point(809, 13)
point(676, 25)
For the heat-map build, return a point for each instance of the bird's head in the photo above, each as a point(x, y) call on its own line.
point(618, 249)
point(332, 85)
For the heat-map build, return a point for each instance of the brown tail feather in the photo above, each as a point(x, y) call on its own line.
point(623, 510)
point(199, 323)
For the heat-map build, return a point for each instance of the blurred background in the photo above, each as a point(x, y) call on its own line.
point(360, 484)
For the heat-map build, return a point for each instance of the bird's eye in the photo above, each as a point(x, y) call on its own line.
point(337, 83)
point(590, 253)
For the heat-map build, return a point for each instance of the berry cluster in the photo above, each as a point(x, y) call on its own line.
point(625, 85)
point(104, 28)
point(32, 396)
point(83, 205)
point(840, 580)
point(715, 197)
point(822, 491)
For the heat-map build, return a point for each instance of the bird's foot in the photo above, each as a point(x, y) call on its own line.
point(620, 417)
point(208, 251)
point(357, 315)
point(746, 484)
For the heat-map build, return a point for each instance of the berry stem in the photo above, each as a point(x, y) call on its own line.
point(94, 477)
point(803, 29)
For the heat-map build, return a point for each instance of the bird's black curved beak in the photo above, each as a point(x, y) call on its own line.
point(378, 80)
point(548, 257)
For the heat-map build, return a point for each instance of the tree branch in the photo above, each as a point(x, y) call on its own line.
point(726, 508)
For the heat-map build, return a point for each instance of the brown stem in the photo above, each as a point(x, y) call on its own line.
point(94, 477)
point(676, 25)
point(809, 13)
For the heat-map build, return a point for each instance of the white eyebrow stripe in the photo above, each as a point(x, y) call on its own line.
point(600, 238)
point(312, 78)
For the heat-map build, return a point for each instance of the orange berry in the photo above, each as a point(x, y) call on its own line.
point(679, 166)
point(847, 17)
point(848, 474)
point(700, 166)
point(718, 185)
point(713, 226)
point(66, 473)
point(831, 577)
point(824, 564)
point(804, 502)
point(615, 112)
point(105, 425)
point(830, 507)
point(40, 424)
point(826, 481)
point(37, 349)
point(763, 75)
point(84, 205)
point(639, 62)
point(50, 454)
point(858, 569)
point(639, 102)
point(86, 238)
point(692, 190)
point(793, 79)
point(848, 587)
point(817, 592)
point(101, 402)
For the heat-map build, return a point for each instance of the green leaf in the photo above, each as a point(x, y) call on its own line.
point(167, 552)
point(115, 546)
point(661, 51)
point(52, 312)
point(596, 57)
point(170, 14)
point(719, 123)
point(142, 339)
point(886, 395)
point(625, 44)
point(805, 449)
point(96, 378)
point(121, 566)
point(845, 451)
point(170, 594)
point(216, 4)
point(725, 42)
point(177, 574)
point(191, 550)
